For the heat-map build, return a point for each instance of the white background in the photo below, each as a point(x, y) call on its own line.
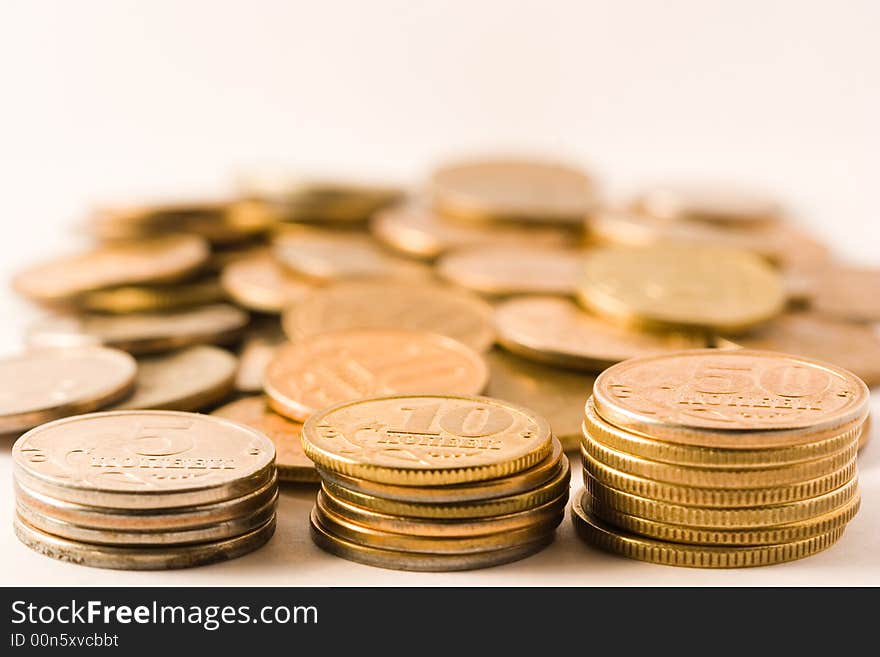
point(104, 100)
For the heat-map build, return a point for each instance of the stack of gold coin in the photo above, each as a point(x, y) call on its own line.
point(435, 482)
point(144, 490)
point(720, 459)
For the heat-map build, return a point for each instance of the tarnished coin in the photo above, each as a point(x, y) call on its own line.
point(48, 384)
point(670, 286)
point(556, 331)
point(375, 304)
point(711, 202)
point(152, 298)
point(260, 345)
point(848, 293)
point(290, 459)
point(335, 367)
point(261, 284)
point(427, 440)
point(515, 190)
point(142, 333)
point(145, 261)
point(738, 398)
point(143, 459)
point(186, 380)
point(851, 346)
point(500, 270)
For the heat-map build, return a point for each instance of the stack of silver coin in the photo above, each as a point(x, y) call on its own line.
point(144, 489)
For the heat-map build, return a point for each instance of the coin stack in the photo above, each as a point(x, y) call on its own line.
point(435, 482)
point(144, 490)
point(720, 459)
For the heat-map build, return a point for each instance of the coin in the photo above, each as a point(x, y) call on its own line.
point(260, 345)
point(700, 288)
point(45, 385)
point(152, 298)
point(512, 189)
point(506, 270)
point(557, 332)
point(426, 440)
point(851, 293)
point(142, 558)
point(145, 261)
point(261, 284)
point(290, 460)
point(343, 365)
point(865, 435)
point(374, 304)
point(143, 459)
point(851, 346)
point(142, 333)
point(711, 202)
point(186, 380)
point(225, 255)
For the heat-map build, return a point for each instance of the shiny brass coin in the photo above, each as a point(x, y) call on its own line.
point(290, 460)
point(739, 398)
point(514, 190)
point(853, 347)
point(147, 333)
point(374, 304)
point(261, 284)
point(44, 385)
point(506, 270)
point(142, 558)
point(557, 332)
point(145, 261)
point(258, 349)
point(614, 540)
point(850, 293)
point(554, 393)
point(711, 517)
point(323, 370)
point(865, 435)
point(420, 561)
point(699, 288)
point(621, 227)
point(458, 494)
point(710, 202)
point(143, 459)
point(427, 440)
point(661, 531)
point(186, 380)
point(152, 298)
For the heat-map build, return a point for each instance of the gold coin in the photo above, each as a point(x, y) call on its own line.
point(152, 298)
point(557, 332)
point(260, 344)
point(48, 384)
point(145, 333)
point(142, 558)
point(458, 494)
point(850, 293)
point(514, 190)
point(710, 202)
point(290, 460)
point(506, 270)
point(688, 287)
point(621, 227)
point(223, 256)
point(420, 561)
point(865, 435)
point(739, 398)
point(712, 517)
point(427, 440)
point(608, 538)
point(336, 367)
point(554, 393)
point(375, 304)
point(143, 459)
point(186, 380)
point(145, 261)
point(261, 284)
point(661, 531)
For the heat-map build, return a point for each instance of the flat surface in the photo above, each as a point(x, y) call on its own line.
point(109, 100)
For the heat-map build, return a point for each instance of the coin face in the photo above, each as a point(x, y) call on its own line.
point(142, 333)
point(848, 293)
point(676, 286)
point(427, 439)
point(514, 190)
point(152, 298)
point(185, 380)
point(144, 261)
point(737, 399)
point(380, 304)
point(44, 385)
point(261, 284)
point(556, 331)
point(143, 459)
point(711, 202)
point(260, 345)
point(290, 459)
point(513, 270)
point(335, 367)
